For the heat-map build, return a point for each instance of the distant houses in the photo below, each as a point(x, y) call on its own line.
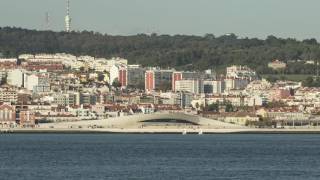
point(277, 65)
point(62, 87)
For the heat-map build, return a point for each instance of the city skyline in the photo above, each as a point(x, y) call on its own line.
point(159, 89)
point(247, 18)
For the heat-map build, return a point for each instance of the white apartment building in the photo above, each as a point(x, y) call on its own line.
point(115, 61)
point(213, 86)
point(241, 72)
point(30, 81)
point(7, 95)
point(67, 99)
point(38, 83)
point(236, 83)
point(11, 60)
point(114, 73)
point(15, 78)
point(189, 85)
point(100, 65)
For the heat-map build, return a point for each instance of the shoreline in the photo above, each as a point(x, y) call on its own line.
point(159, 131)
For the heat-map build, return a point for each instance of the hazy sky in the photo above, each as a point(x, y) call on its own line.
point(246, 18)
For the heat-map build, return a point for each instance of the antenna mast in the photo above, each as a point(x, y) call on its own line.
point(47, 26)
point(68, 18)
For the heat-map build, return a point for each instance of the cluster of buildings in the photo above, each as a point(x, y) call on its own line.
point(63, 87)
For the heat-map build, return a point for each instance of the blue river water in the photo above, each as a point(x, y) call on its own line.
point(153, 157)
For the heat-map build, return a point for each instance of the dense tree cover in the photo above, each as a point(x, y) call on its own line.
point(215, 107)
point(311, 82)
point(275, 104)
point(180, 51)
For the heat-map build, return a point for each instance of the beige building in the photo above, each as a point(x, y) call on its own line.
point(27, 118)
point(241, 119)
point(7, 116)
point(277, 64)
point(8, 95)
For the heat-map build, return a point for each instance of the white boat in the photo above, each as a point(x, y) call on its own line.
point(200, 132)
point(184, 132)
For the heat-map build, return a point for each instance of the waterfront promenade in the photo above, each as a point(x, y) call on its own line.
point(154, 123)
point(164, 131)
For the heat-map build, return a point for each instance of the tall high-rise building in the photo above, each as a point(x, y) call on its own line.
point(158, 79)
point(135, 75)
point(214, 86)
point(68, 18)
point(189, 85)
point(123, 76)
point(181, 75)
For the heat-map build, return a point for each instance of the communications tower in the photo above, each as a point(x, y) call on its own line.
point(68, 18)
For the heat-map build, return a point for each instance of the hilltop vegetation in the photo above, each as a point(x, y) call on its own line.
point(180, 51)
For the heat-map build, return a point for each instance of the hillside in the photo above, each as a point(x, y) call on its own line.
point(180, 51)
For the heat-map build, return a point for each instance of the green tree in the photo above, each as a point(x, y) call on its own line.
point(197, 105)
point(229, 107)
point(213, 107)
point(308, 82)
point(100, 77)
point(116, 83)
point(275, 104)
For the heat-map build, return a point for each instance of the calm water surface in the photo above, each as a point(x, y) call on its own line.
point(106, 156)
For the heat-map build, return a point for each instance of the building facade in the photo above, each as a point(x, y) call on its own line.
point(7, 116)
point(213, 86)
point(157, 79)
point(15, 78)
point(277, 64)
point(189, 85)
